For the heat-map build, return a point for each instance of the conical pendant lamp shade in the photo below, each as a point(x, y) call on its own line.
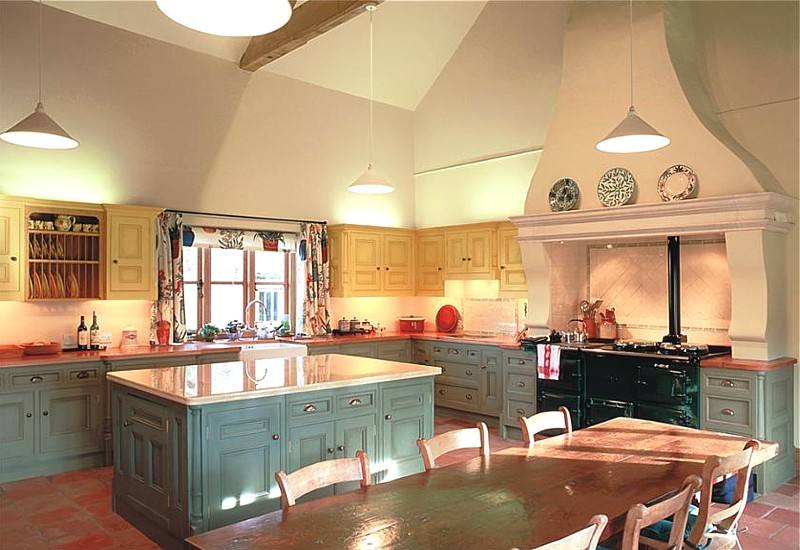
point(371, 182)
point(633, 135)
point(40, 131)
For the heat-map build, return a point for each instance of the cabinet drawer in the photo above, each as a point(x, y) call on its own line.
point(520, 383)
point(359, 350)
point(456, 397)
point(725, 385)
point(90, 374)
point(421, 353)
point(323, 350)
point(356, 401)
point(455, 354)
point(36, 378)
point(728, 414)
point(516, 408)
point(521, 362)
point(459, 374)
point(310, 408)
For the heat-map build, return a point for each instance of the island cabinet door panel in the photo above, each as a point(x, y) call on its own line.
point(491, 401)
point(398, 263)
point(407, 416)
point(365, 262)
point(16, 425)
point(70, 419)
point(309, 445)
point(244, 453)
point(352, 435)
point(456, 253)
point(146, 461)
point(395, 351)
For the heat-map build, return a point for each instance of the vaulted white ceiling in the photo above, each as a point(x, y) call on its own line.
point(414, 40)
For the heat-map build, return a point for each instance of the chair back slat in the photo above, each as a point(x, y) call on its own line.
point(467, 438)
point(548, 420)
point(715, 467)
point(322, 474)
point(585, 539)
point(677, 507)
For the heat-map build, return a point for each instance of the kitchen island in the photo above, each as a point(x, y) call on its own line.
point(197, 447)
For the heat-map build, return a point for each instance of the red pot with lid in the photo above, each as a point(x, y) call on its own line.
point(412, 323)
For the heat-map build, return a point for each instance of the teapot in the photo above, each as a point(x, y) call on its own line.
point(64, 223)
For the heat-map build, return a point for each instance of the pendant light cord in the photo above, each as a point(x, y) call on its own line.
point(630, 24)
point(40, 52)
point(371, 83)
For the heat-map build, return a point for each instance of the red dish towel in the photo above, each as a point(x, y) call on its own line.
point(548, 360)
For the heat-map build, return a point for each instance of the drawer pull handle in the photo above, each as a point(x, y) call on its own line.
point(388, 417)
point(45, 413)
point(276, 437)
point(728, 412)
point(727, 384)
point(355, 402)
point(310, 408)
point(469, 397)
point(28, 415)
point(331, 450)
point(520, 384)
point(452, 351)
point(483, 367)
point(36, 379)
point(521, 362)
point(83, 374)
point(441, 392)
point(340, 448)
point(521, 411)
point(468, 372)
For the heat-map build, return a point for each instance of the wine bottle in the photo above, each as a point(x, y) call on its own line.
point(83, 335)
point(94, 333)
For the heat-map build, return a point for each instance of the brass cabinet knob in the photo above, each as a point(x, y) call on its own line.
point(331, 450)
point(115, 261)
point(276, 437)
point(387, 269)
point(502, 267)
point(388, 417)
point(468, 372)
point(438, 269)
point(340, 448)
point(28, 415)
point(469, 397)
point(13, 258)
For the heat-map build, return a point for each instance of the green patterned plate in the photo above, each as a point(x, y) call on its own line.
point(616, 187)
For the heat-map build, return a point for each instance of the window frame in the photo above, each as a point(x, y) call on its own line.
point(249, 282)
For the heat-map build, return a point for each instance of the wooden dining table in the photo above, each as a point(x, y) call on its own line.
point(517, 497)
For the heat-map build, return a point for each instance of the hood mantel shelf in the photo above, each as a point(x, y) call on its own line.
point(713, 215)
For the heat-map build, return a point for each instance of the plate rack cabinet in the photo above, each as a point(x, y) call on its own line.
point(64, 265)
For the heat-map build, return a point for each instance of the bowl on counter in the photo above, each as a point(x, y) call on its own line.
point(41, 348)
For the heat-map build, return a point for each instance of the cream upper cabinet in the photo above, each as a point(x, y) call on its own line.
point(430, 264)
point(456, 253)
point(371, 261)
point(512, 273)
point(398, 263)
point(364, 257)
point(130, 243)
point(479, 251)
point(11, 259)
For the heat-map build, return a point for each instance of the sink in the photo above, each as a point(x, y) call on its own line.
point(271, 350)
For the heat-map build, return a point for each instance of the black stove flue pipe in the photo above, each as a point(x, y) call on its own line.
point(674, 287)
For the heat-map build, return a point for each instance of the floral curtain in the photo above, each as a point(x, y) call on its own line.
point(214, 237)
point(313, 251)
point(169, 307)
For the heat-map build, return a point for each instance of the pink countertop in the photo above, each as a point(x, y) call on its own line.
point(502, 341)
point(11, 356)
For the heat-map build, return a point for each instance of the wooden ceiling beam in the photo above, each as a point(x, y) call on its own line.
point(309, 20)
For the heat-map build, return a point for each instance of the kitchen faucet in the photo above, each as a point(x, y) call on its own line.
point(259, 333)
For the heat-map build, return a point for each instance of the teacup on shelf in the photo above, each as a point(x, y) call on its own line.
point(78, 227)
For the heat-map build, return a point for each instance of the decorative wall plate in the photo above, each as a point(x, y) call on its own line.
point(563, 195)
point(616, 187)
point(678, 182)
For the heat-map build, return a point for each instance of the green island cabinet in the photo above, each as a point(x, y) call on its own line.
point(755, 404)
point(182, 469)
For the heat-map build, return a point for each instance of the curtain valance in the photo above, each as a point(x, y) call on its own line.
point(239, 239)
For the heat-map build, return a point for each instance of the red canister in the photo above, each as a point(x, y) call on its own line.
point(412, 323)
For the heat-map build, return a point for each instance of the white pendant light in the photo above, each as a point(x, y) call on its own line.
point(229, 17)
point(632, 135)
point(370, 182)
point(38, 129)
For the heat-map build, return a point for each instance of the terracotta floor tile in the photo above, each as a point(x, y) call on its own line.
point(103, 495)
point(757, 509)
point(790, 536)
point(787, 517)
point(50, 517)
point(789, 490)
point(781, 501)
point(81, 487)
point(794, 481)
point(753, 542)
point(113, 522)
point(93, 541)
point(77, 475)
point(68, 530)
point(760, 527)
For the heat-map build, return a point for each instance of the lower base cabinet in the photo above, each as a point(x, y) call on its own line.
point(181, 470)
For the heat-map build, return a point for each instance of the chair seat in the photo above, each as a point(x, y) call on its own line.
point(662, 529)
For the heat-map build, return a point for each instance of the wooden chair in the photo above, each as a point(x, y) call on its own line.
point(720, 526)
point(467, 438)
point(676, 507)
point(549, 420)
point(585, 539)
point(322, 474)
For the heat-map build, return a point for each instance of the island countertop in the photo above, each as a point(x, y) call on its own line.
point(238, 380)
